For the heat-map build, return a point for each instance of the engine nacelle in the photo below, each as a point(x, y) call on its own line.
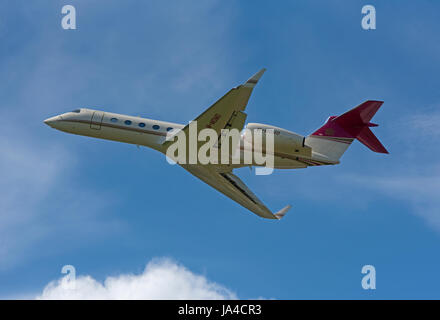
point(286, 143)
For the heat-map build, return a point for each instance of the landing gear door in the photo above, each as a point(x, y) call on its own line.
point(96, 121)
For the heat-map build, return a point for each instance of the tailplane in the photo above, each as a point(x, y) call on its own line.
point(335, 136)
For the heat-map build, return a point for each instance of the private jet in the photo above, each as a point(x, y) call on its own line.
point(325, 146)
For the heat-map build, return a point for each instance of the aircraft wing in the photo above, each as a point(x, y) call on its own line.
point(232, 186)
point(227, 112)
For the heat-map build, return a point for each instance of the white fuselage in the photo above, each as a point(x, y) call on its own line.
point(143, 132)
point(115, 127)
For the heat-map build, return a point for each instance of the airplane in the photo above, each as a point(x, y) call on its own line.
point(324, 146)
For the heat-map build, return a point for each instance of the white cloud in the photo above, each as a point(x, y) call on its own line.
point(422, 192)
point(426, 123)
point(161, 279)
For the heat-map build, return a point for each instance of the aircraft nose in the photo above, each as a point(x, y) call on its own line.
point(51, 121)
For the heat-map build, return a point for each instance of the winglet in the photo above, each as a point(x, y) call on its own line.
point(252, 81)
point(282, 212)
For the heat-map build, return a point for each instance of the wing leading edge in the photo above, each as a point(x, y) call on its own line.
point(227, 112)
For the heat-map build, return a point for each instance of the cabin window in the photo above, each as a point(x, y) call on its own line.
point(169, 129)
point(127, 122)
point(141, 124)
point(114, 120)
point(76, 110)
point(156, 127)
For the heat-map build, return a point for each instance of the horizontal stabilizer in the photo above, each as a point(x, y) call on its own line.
point(359, 116)
point(367, 137)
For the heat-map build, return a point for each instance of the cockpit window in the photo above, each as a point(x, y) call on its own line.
point(77, 110)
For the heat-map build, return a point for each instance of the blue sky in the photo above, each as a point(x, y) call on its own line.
point(109, 208)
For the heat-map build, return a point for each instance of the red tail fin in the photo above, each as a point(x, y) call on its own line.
point(355, 124)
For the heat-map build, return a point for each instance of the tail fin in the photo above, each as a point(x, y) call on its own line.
point(336, 135)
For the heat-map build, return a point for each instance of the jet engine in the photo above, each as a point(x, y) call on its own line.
point(286, 143)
